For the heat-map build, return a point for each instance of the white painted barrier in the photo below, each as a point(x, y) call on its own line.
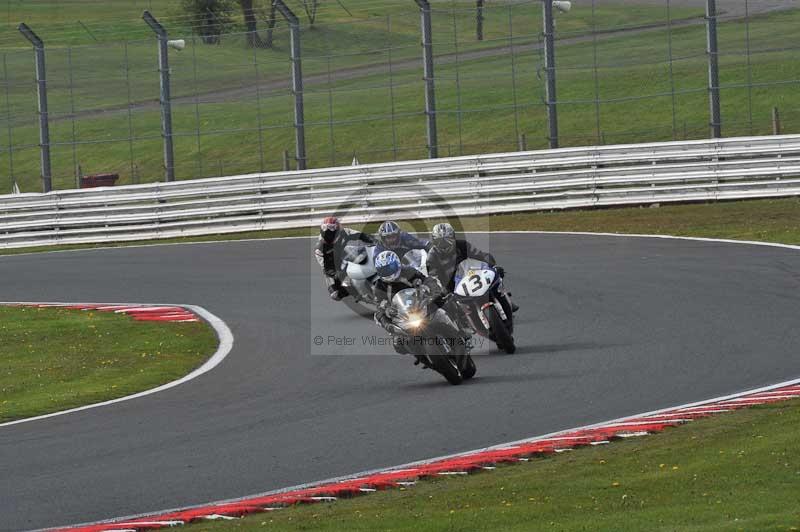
point(734, 168)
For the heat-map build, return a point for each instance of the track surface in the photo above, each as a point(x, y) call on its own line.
point(609, 326)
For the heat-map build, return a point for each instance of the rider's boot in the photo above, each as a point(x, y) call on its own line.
point(514, 306)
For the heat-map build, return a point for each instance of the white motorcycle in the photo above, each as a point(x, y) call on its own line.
point(479, 296)
point(417, 259)
point(358, 267)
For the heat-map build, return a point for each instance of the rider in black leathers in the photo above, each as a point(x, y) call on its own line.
point(446, 254)
point(329, 253)
point(393, 277)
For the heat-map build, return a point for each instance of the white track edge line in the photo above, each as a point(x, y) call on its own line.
point(522, 232)
point(224, 335)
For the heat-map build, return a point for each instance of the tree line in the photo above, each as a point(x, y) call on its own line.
point(211, 18)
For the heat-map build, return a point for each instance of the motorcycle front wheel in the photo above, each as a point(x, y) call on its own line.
point(501, 336)
point(469, 368)
point(442, 355)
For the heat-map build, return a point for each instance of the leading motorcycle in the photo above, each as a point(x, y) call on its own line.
point(426, 331)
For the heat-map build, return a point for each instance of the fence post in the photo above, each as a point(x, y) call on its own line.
point(44, 122)
point(713, 67)
point(430, 91)
point(164, 96)
point(776, 121)
point(297, 83)
point(550, 71)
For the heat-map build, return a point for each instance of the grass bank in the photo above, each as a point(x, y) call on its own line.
point(55, 359)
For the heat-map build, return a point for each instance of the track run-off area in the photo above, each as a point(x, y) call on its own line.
point(609, 326)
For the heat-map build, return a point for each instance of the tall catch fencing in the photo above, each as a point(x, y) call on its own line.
point(380, 81)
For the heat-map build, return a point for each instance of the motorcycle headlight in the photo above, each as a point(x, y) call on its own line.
point(415, 319)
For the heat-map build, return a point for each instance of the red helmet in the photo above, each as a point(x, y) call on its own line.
point(329, 229)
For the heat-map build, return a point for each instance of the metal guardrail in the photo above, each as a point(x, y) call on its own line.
point(734, 168)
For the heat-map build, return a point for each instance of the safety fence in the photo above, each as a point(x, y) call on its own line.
point(185, 96)
point(720, 169)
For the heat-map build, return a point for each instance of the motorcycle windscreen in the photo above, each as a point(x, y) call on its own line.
point(473, 278)
point(359, 261)
point(406, 301)
point(417, 259)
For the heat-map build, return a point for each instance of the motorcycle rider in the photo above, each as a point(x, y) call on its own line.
point(393, 277)
point(329, 252)
point(446, 254)
point(392, 238)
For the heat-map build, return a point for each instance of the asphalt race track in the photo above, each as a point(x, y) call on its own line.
point(609, 326)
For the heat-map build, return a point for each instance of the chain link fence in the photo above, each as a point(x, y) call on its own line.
point(624, 72)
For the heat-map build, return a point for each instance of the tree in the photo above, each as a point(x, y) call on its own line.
point(310, 7)
point(479, 19)
point(250, 13)
point(209, 18)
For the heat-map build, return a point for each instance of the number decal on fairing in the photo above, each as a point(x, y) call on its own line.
point(477, 284)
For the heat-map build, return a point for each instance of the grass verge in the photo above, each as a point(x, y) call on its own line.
point(54, 359)
point(737, 471)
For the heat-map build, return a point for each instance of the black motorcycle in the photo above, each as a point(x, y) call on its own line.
point(424, 330)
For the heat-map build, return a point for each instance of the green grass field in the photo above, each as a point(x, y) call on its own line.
point(54, 359)
point(484, 103)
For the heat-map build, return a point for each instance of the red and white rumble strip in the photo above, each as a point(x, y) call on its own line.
point(638, 425)
point(138, 312)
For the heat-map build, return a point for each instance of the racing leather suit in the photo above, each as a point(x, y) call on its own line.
point(407, 243)
point(443, 265)
point(330, 256)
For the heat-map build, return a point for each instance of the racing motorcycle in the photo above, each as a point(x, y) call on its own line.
point(427, 332)
point(358, 268)
point(478, 294)
point(417, 259)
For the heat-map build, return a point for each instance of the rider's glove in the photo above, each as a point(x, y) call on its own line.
point(501, 272)
point(393, 329)
point(444, 299)
point(337, 293)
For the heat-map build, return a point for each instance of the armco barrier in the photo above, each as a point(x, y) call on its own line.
point(735, 168)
